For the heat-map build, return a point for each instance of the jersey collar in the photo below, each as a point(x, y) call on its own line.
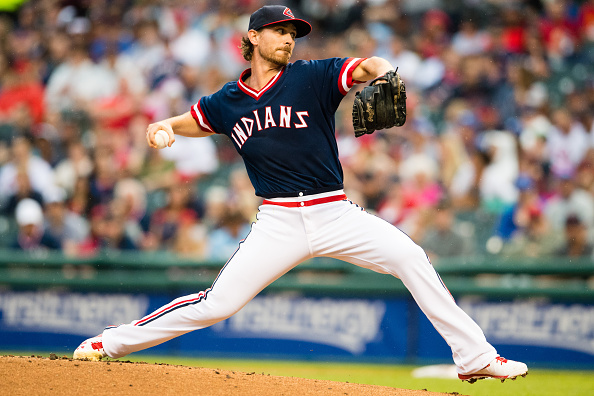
point(251, 91)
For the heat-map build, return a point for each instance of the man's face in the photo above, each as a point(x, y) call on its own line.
point(576, 233)
point(29, 230)
point(54, 211)
point(276, 43)
point(566, 188)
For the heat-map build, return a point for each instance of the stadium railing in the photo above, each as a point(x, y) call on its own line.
point(117, 271)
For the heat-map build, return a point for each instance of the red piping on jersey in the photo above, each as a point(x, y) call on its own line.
point(345, 78)
point(311, 202)
point(251, 91)
point(200, 118)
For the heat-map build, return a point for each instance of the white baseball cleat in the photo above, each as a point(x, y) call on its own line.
point(91, 349)
point(500, 368)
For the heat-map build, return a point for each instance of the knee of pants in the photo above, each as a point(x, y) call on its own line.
point(411, 256)
point(420, 254)
point(410, 251)
point(218, 309)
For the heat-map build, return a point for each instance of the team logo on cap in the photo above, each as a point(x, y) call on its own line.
point(288, 13)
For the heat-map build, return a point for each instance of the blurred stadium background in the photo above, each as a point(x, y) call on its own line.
point(492, 174)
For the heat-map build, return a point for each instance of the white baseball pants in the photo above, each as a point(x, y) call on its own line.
point(280, 239)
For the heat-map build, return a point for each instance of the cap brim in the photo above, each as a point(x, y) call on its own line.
point(303, 27)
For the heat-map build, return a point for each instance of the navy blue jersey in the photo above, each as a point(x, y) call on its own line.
point(284, 132)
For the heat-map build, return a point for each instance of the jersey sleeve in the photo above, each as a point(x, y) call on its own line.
point(345, 77)
point(333, 78)
point(205, 113)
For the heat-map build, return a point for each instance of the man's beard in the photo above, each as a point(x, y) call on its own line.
point(280, 60)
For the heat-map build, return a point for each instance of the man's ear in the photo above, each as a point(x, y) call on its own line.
point(253, 36)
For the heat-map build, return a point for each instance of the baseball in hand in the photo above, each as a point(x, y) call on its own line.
point(161, 138)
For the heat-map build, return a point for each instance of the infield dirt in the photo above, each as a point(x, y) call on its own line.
point(29, 375)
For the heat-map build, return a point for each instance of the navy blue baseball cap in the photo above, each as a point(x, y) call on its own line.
point(273, 14)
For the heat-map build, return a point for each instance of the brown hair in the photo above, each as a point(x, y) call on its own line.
point(247, 49)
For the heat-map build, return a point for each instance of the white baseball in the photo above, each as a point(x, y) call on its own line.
point(161, 138)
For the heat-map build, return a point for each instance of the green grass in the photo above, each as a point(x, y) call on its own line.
point(539, 382)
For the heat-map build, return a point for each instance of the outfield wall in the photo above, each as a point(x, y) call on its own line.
point(541, 312)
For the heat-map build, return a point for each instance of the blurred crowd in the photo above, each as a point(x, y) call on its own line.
point(496, 156)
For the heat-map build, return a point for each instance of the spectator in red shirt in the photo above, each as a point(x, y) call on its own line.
point(512, 36)
point(558, 30)
point(20, 89)
point(586, 21)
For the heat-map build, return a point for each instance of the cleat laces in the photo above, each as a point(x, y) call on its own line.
point(501, 360)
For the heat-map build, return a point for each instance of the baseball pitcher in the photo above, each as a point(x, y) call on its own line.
point(280, 117)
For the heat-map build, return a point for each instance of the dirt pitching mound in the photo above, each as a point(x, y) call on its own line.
point(23, 375)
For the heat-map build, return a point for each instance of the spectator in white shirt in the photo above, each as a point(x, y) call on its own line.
point(77, 82)
point(469, 40)
point(567, 143)
point(40, 173)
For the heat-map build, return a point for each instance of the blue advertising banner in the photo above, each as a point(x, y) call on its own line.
point(538, 329)
point(272, 325)
point(533, 330)
point(298, 327)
